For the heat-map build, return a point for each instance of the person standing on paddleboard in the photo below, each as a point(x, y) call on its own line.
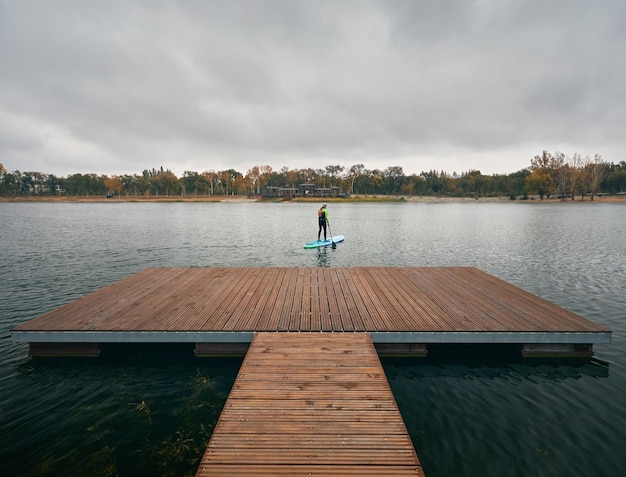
point(322, 219)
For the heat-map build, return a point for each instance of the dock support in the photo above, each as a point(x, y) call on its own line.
point(65, 350)
point(213, 350)
point(410, 350)
point(557, 350)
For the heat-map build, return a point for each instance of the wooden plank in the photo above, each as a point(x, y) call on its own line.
point(300, 471)
point(394, 299)
point(354, 306)
point(306, 323)
point(268, 280)
point(344, 321)
point(333, 292)
point(316, 310)
point(266, 302)
point(246, 301)
point(417, 314)
point(459, 315)
point(326, 324)
point(434, 309)
point(284, 302)
point(490, 313)
point(303, 317)
point(215, 297)
point(525, 304)
point(363, 295)
point(391, 299)
point(310, 404)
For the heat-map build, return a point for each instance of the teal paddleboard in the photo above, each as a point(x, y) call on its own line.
point(324, 243)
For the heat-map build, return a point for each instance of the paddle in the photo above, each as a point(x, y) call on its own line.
point(334, 245)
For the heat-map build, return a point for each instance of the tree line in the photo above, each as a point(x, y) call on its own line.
point(549, 175)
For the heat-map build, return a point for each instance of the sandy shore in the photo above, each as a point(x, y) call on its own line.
point(355, 198)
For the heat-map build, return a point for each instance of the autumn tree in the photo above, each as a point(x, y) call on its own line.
point(211, 178)
point(264, 176)
point(333, 172)
point(113, 185)
point(253, 176)
point(167, 181)
point(561, 175)
point(227, 181)
point(596, 171)
point(577, 180)
point(354, 173)
point(3, 173)
point(540, 182)
point(292, 177)
point(543, 161)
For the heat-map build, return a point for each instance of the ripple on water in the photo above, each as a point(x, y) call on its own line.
point(467, 415)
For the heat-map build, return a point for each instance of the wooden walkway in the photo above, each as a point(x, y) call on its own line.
point(310, 404)
point(396, 305)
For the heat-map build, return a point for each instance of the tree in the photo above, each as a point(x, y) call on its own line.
point(436, 183)
point(253, 176)
point(354, 173)
point(210, 177)
point(264, 177)
point(540, 182)
point(191, 182)
point(596, 172)
point(394, 179)
point(3, 173)
point(113, 185)
point(226, 179)
point(517, 183)
point(292, 177)
point(544, 161)
point(615, 180)
point(562, 175)
point(377, 180)
point(167, 181)
point(472, 182)
point(577, 177)
point(131, 184)
point(333, 172)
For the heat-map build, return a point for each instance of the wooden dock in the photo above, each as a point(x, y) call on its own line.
point(311, 397)
point(310, 404)
point(404, 309)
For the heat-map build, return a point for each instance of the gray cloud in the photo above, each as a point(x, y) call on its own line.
point(118, 87)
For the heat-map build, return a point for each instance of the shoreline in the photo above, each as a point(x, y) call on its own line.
point(352, 199)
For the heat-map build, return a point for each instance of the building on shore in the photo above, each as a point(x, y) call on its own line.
point(306, 189)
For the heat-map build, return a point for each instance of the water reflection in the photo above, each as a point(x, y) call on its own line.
point(324, 257)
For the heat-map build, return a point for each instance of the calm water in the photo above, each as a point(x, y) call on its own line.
point(143, 410)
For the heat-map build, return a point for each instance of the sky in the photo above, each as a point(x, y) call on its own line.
point(119, 86)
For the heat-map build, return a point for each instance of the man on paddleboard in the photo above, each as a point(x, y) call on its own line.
point(322, 219)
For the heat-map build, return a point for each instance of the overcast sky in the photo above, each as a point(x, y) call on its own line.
point(116, 87)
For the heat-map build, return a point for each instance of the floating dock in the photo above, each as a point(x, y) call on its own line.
point(310, 404)
point(311, 397)
point(404, 310)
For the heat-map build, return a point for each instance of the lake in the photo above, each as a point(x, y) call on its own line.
point(143, 410)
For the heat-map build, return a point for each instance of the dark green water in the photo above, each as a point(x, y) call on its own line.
point(150, 410)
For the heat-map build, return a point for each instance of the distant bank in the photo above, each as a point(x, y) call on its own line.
point(353, 198)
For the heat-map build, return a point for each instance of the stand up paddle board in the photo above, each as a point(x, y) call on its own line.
point(324, 243)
